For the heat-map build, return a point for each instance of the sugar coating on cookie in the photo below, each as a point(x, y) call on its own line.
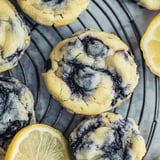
point(16, 108)
point(91, 72)
point(107, 137)
point(14, 36)
point(53, 12)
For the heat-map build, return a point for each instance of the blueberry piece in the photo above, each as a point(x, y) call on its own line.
point(65, 70)
point(120, 91)
point(83, 130)
point(94, 47)
point(125, 54)
point(87, 78)
point(86, 145)
point(53, 2)
point(79, 77)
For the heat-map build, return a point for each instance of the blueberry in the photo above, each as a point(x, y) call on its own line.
point(121, 92)
point(94, 47)
point(79, 77)
point(118, 146)
point(65, 70)
point(125, 54)
point(87, 78)
point(53, 2)
point(83, 130)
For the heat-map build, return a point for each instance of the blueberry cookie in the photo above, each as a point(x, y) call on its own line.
point(16, 108)
point(53, 12)
point(149, 4)
point(107, 137)
point(91, 72)
point(14, 37)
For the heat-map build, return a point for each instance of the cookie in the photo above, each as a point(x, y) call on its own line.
point(107, 137)
point(91, 72)
point(149, 4)
point(53, 12)
point(16, 108)
point(14, 36)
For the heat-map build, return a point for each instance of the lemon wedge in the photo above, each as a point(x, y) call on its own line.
point(38, 142)
point(150, 45)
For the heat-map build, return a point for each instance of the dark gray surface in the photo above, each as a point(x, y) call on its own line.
point(126, 20)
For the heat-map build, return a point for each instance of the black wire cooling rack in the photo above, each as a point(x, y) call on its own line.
point(112, 16)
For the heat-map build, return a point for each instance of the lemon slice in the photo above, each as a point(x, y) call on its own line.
point(38, 142)
point(150, 45)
